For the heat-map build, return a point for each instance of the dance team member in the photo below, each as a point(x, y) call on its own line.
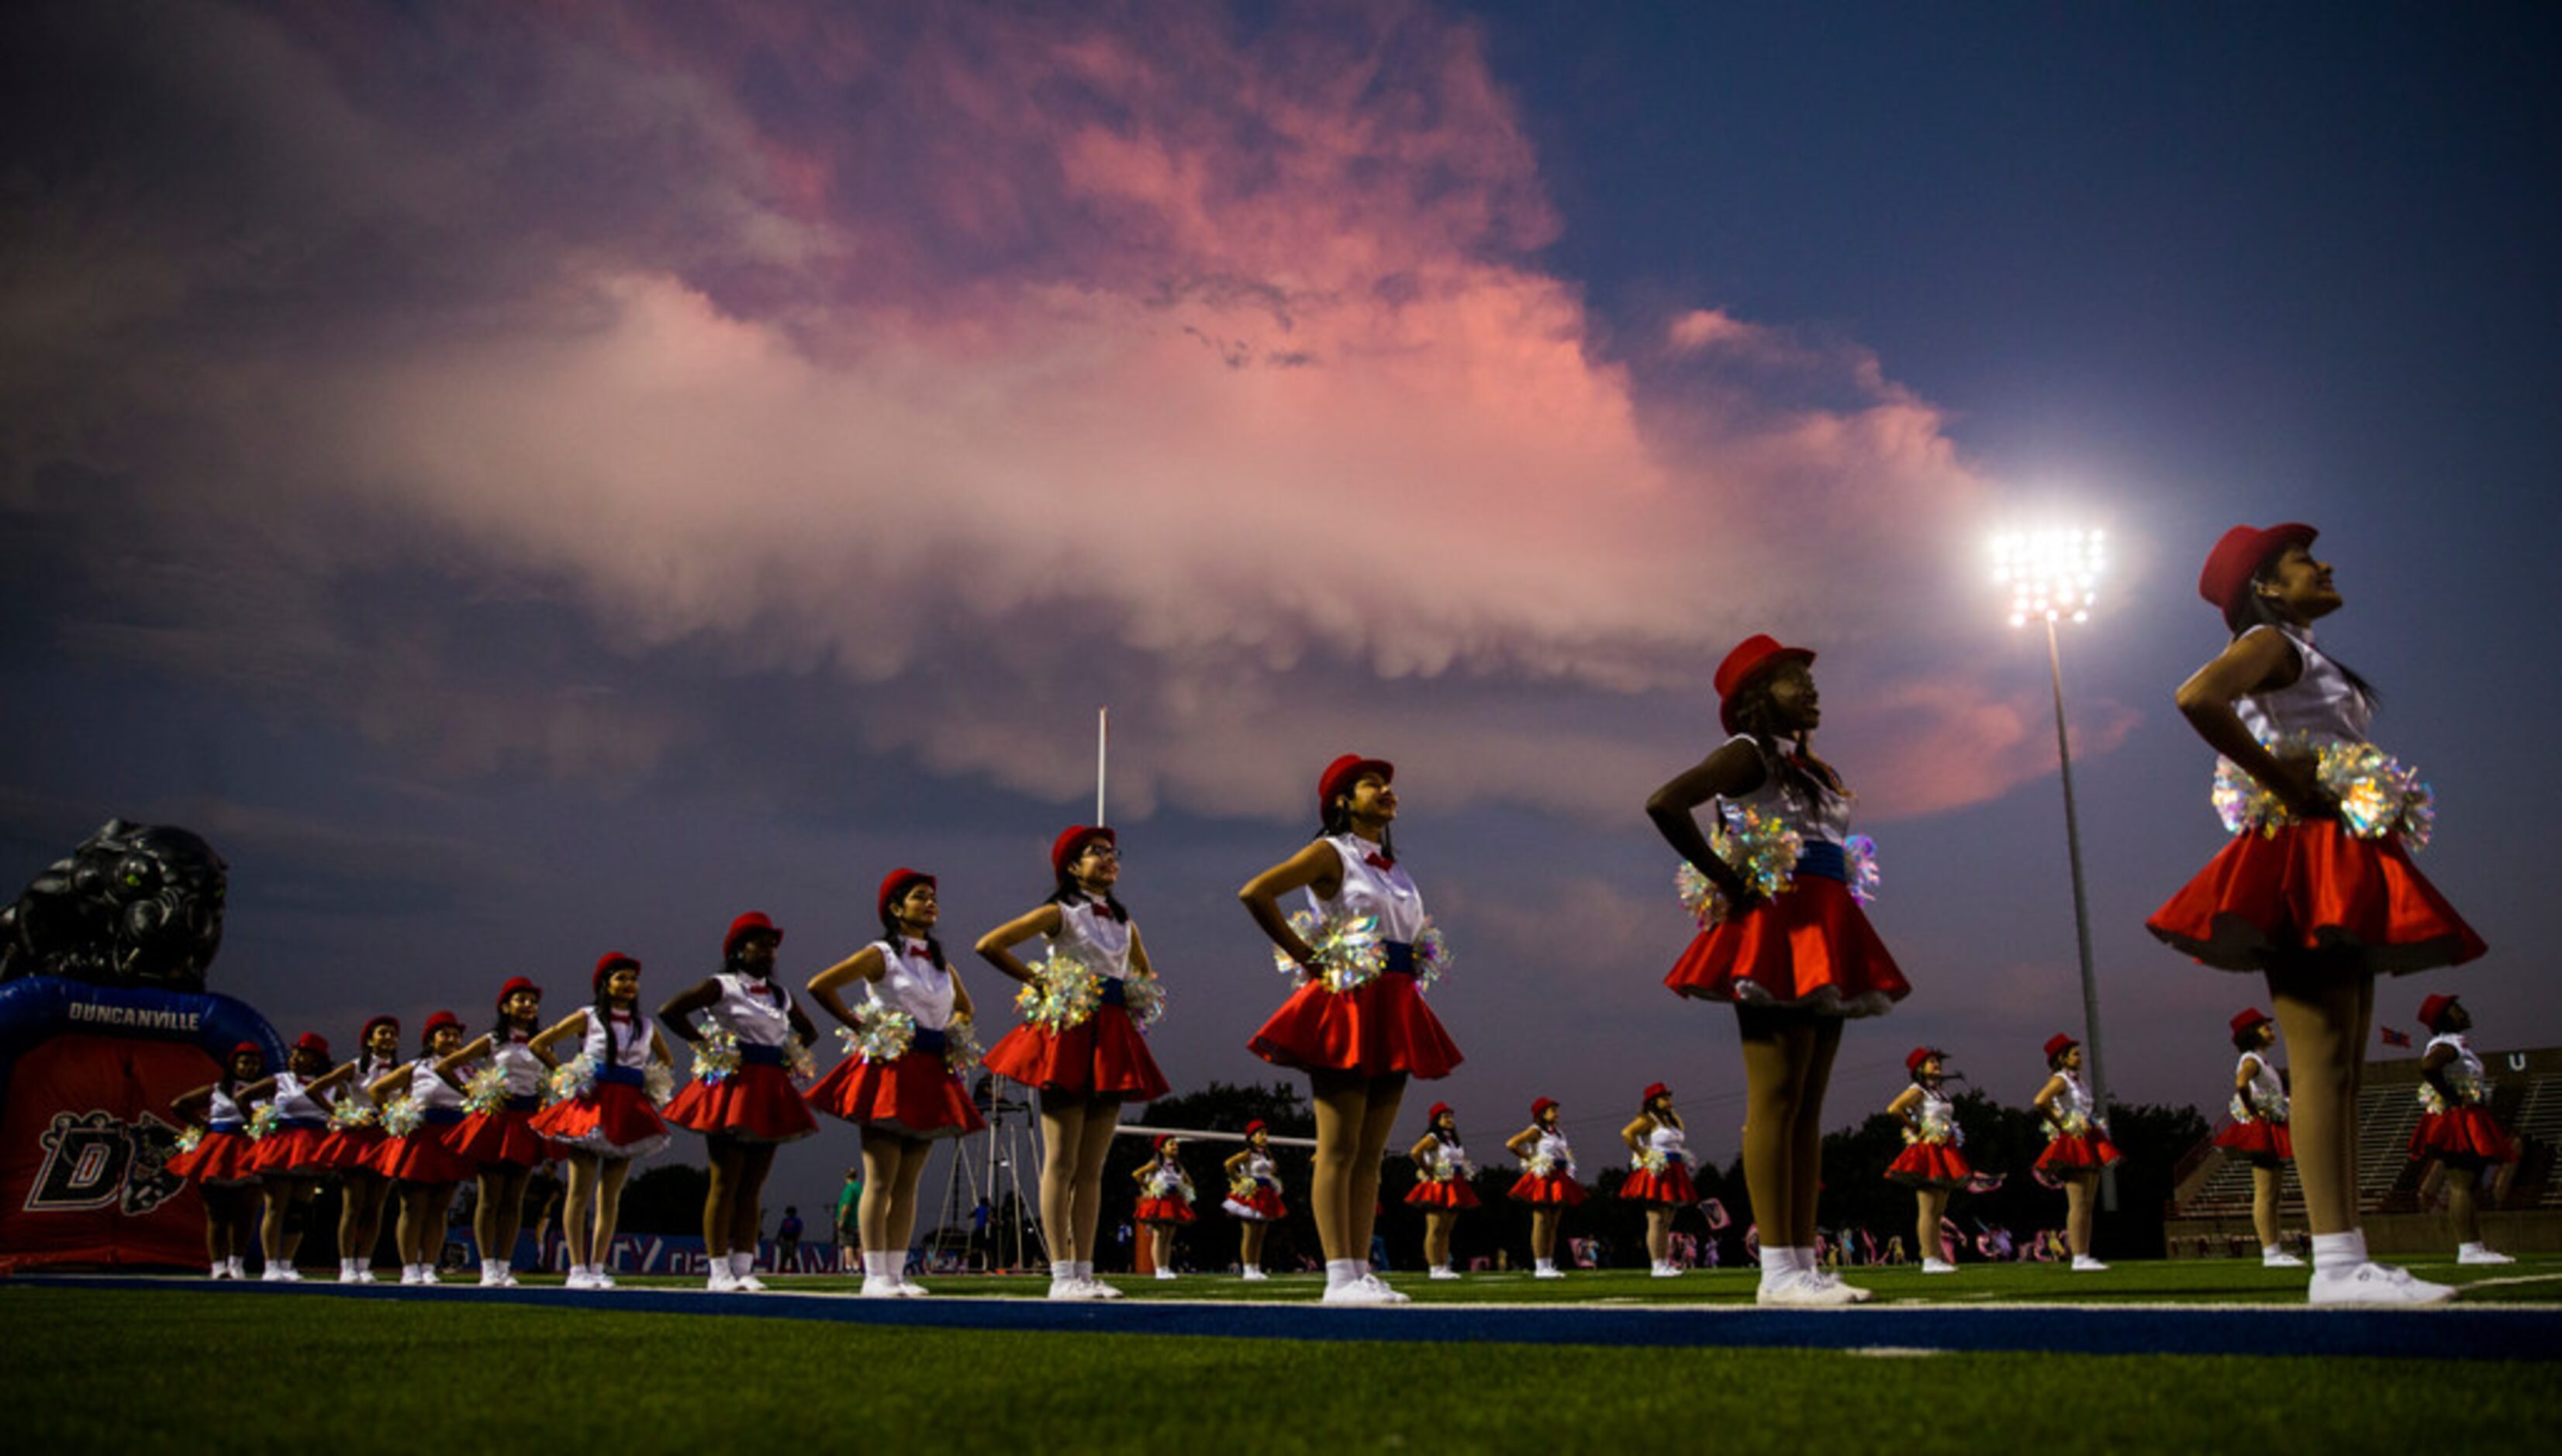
point(1253, 1196)
point(1084, 1071)
point(2077, 1145)
point(1358, 1044)
point(1443, 1188)
point(499, 1141)
point(903, 1103)
point(1794, 964)
point(1659, 1173)
point(1547, 1183)
point(353, 1150)
point(289, 1156)
point(2456, 1126)
point(2258, 1132)
point(1930, 1165)
point(1165, 1202)
point(423, 1169)
point(608, 1119)
point(2317, 905)
point(219, 1163)
point(747, 1112)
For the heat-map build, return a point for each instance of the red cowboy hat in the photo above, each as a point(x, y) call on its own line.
point(252, 1048)
point(2434, 1007)
point(1254, 1127)
point(368, 1033)
point(1751, 657)
point(608, 964)
point(1914, 1059)
point(2056, 1043)
point(516, 984)
point(1164, 1141)
point(1655, 1090)
point(2239, 556)
point(1438, 1108)
point(1071, 842)
point(1340, 775)
point(897, 883)
point(754, 922)
point(2248, 1017)
point(313, 1042)
point(1541, 1104)
point(437, 1023)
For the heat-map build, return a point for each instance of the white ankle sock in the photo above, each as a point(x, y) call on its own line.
point(1778, 1263)
point(1340, 1272)
point(2338, 1252)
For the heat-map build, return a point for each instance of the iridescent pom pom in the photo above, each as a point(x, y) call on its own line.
point(1062, 993)
point(658, 1080)
point(486, 1090)
point(2377, 795)
point(1762, 852)
point(881, 1032)
point(2272, 1110)
point(572, 1079)
point(1144, 996)
point(1348, 952)
point(189, 1136)
point(1649, 1160)
point(403, 1116)
point(263, 1121)
point(1861, 853)
point(1433, 957)
point(961, 1050)
point(355, 1110)
point(716, 1057)
point(799, 1063)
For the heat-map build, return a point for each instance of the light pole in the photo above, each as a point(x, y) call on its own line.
point(2052, 576)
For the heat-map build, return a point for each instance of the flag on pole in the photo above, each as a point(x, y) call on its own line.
point(2393, 1038)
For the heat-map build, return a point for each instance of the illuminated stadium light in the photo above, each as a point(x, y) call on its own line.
point(2052, 575)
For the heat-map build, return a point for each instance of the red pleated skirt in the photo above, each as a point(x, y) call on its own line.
point(757, 1103)
point(1163, 1211)
point(290, 1153)
point(353, 1150)
point(2082, 1152)
point(2463, 1136)
point(916, 1096)
point(1672, 1185)
point(1102, 1055)
point(2259, 1140)
point(1263, 1205)
point(1809, 949)
point(1930, 1165)
point(1377, 1028)
point(504, 1138)
point(1445, 1193)
point(1555, 1189)
point(218, 1158)
point(422, 1158)
point(616, 1120)
point(2315, 885)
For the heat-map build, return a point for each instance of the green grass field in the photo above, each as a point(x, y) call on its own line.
point(154, 1369)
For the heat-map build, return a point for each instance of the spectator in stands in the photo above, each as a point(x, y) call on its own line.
point(2315, 890)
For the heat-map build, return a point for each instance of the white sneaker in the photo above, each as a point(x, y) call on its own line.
point(1446, 1272)
point(365, 1274)
point(271, 1274)
point(508, 1279)
point(880, 1286)
point(2374, 1284)
point(1833, 1280)
point(1359, 1292)
point(2473, 1253)
point(408, 1274)
point(1665, 1271)
point(1101, 1289)
point(720, 1280)
point(492, 1278)
point(1551, 1272)
point(907, 1289)
point(747, 1284)
point(2279, 1259)
point(427, 1274)
point(1387, 1295)
point(2084, 1264)
point(1808, 1289)
point(1166, 1274)
point(1075, 1289)
point(579, 1278)
point(1253, 1275)
point(1937, 1266)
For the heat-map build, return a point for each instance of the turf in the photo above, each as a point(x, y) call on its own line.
point(142, 1369)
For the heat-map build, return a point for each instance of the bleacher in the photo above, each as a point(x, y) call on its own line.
point(2211, 1192)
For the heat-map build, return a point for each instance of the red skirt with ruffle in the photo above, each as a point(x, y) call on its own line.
point(756, 1103)
point(1163, 1211)
point(2258, 1140)
point(1672, 1185)
point(422, 1158)
point(1811, 949)
point(616, 1120)
point(1556, 1189)
point(504, 1138)
point(290, 1153)
point(2314, 887)
point(1103, 1056)
point(2464, 1137)
point(353, 1150)
point(1931, 1166)
point(1378, 1027)
point(218, 1158)
point(916, 1096)
point(2080, 1153)
point(1451, 1193)
point(1263, 1205)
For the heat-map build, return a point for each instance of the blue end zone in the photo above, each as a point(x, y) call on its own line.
point(2485, 1333)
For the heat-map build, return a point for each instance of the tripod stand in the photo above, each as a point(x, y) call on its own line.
point(987, 1174)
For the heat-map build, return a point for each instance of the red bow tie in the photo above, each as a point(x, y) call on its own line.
point(1099, 908)
point(1375, 860)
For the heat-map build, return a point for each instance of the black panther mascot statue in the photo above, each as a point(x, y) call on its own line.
point(134, 905)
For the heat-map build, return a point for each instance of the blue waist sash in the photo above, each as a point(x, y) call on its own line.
point(621, 1076)
point(760, 1056)
point(302, 1123)
point(525, 1102)
point(228, 1127)
point(929, 1042)
point(1116, 992)
point(439, 1117)
point(1825, 859)
point(1401, 958)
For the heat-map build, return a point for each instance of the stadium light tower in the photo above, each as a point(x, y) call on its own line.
point(2053, 575)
